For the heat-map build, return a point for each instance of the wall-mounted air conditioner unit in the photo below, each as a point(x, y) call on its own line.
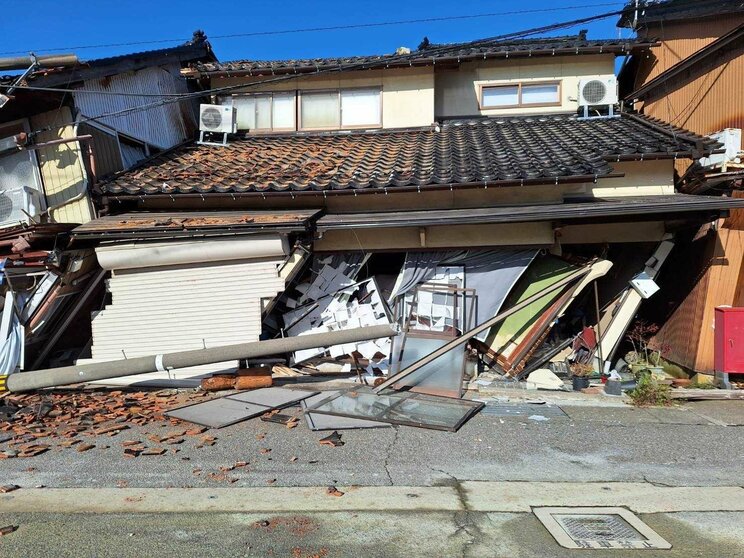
point(18, 205)
point(598, 92)
point(217, 119)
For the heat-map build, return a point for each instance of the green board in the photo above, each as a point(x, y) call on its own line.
point(542, 273)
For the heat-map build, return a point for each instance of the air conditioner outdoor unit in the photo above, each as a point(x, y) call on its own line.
point(595, 92)
point(217, 119)
point(18, 205)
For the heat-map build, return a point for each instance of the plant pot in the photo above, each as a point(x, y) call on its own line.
point(681, 382)
point(580, 382)
point(613, 387)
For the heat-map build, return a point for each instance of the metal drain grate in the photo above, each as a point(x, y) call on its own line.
point(599, 528)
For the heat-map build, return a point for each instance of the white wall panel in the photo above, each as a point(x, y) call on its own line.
point(183, 307)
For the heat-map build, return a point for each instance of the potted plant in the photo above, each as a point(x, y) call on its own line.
point(580, 373)
point(642, 358)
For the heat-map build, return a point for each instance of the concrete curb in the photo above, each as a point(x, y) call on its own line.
point(504, 497)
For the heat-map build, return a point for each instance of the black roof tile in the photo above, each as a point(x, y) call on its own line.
point(513, 150)
point(433, 53)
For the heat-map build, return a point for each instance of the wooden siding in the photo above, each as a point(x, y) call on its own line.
point(704, 103)
point(62, 169)
point(689, 332)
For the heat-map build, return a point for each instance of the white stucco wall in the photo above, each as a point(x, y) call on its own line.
point(407, 93)
point(456, 91)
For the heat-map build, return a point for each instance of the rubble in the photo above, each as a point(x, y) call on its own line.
point(75, 418)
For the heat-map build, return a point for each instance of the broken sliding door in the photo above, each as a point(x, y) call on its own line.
point(404, 408)
point(438, 313)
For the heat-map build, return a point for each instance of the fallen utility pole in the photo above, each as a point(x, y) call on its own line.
point(465, 337)
point(66, 375)
point(44, 61)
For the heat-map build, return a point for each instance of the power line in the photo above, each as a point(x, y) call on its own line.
point(361, 66)
point(431, 52)
point(328, 28)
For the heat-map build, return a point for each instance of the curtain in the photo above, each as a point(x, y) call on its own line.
point(492, 273)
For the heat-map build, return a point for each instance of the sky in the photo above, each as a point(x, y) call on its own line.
point(46, 26)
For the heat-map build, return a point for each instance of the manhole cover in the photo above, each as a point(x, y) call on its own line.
point(599, 528)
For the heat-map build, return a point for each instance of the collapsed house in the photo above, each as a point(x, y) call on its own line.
point(54, 147)
point(489, 198)
point(690, 78)
point(432, 188)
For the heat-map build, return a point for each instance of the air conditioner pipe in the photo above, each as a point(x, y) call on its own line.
point(66, 375)
point(48, 61)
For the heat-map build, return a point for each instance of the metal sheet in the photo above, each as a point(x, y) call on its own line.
point(218, 413)
point(274, 397)
point(163, 126)
point(317, 421)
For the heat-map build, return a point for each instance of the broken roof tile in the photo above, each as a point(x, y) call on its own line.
point(494, 150)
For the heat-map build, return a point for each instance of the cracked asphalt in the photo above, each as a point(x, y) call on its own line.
point(680, 446)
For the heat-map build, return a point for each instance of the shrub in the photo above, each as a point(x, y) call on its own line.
point(650, 393)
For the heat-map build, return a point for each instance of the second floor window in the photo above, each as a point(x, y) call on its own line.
point(345, 108)
point(266, 111)
point(526, 94)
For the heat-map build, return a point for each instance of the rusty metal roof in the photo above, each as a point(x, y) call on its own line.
point(191, 223)
point(481, 151)
point(433, 53)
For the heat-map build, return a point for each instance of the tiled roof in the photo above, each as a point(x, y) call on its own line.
point(652, 11)
point(515, 150)
point(433, 53)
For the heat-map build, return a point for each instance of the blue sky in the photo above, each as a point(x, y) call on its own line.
point(50, 25)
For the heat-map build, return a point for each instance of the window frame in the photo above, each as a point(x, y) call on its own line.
point(270, 94)
point(520, 103)
point(338, 91)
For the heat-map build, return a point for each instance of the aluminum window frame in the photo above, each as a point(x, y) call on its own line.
point(519, 85)
point(271, 94)
point(338, 91)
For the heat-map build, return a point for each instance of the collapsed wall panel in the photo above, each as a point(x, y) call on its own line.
point(187, 304)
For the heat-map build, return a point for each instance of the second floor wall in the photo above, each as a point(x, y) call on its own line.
point(393, 98)
point(416, 96)
point(518, 86)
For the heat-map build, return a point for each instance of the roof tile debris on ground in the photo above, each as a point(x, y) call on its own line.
point(69, 419)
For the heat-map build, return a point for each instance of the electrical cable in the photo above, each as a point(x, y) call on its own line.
point(329, 28)
point(428, 53)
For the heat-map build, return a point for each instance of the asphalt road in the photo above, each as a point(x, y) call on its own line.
point(678, 447)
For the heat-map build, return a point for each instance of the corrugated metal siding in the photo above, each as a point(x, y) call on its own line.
point(163, 126)
point(105, 150)
point(160, 310)
point(62, 168)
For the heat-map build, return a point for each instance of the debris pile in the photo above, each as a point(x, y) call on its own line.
point(79, 419)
